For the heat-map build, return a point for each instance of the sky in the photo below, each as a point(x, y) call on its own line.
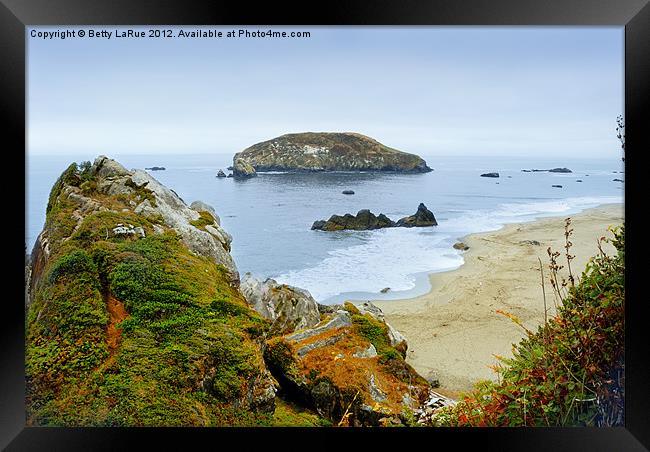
point(427, 90)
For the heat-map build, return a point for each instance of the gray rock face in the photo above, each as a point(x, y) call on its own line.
point(289, 308)
point(340, 320)
point(302, 351)
point(242, 169)
point(370, 352)
point(200, 206)
point(213, 242)
point(375, 392)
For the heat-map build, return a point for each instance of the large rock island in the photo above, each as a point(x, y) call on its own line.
point(309, 151)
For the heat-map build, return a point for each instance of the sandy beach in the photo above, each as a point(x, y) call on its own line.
point(454, 330)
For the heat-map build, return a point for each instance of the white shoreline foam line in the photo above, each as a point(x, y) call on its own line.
point(354, 266)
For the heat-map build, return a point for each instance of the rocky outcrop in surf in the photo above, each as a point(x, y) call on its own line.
point(366, 220)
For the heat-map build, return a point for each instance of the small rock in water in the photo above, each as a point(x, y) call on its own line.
point(556, 186)
point(579, 180)
point(490, 175)
point(156, 168)
point(348, 192)
point(220, 173)
point(460, 246)
point(385, 289)
point(617, 180)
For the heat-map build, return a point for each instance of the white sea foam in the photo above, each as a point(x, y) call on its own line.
point(389, 258)
point(392, 257)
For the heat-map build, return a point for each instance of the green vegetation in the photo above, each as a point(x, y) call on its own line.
point(376, 332)
point(205, 219)
point(291, 415)
point(130, 331)
point(571, 371)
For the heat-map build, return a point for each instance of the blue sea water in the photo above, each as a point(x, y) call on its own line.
point(270, 216)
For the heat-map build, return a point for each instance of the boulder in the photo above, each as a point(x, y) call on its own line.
point(346, 365)
point(422, 218)
point(490, 175)
point(220, 173)
point(460, 246)
point(385, 290)
point(289, 308)
point(242, 169)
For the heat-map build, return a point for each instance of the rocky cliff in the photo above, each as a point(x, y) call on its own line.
point(311, 151)
point(136, 317)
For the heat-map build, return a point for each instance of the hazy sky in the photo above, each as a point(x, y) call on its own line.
point(431, 91)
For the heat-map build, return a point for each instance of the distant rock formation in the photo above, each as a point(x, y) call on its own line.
point(156, 168)
point(243, 170)
point(366, 220)
point(309, 151)
point(553, 170)
point(220, 173)
point(490, 175)
point(556, 186)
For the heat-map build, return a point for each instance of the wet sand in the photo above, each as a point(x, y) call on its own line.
point(454, 331)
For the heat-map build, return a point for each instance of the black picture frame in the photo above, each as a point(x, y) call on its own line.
point(16, 15)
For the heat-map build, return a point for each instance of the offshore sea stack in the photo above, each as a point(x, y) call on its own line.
point(366, 220)
point(310, 151)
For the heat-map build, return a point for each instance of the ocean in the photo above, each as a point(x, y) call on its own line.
point(270, 216)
